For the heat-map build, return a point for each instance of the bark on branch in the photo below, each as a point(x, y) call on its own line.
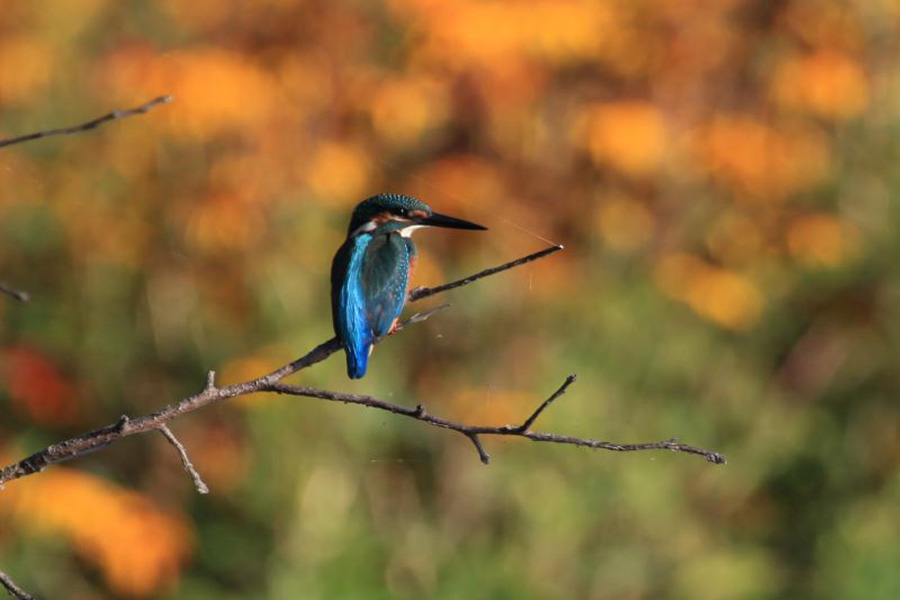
point(17, 294)
point(14, 590)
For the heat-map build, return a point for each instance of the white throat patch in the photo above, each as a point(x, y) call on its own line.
point(408, 231)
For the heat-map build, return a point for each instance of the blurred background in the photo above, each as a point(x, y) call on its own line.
point(723, 175)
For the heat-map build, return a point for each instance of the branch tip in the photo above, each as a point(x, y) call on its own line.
point(526, 425)
point(185, 460)
point(121, 423)
point(210, 381)
point(482, 453)
point(92, 124)
point(17, 294)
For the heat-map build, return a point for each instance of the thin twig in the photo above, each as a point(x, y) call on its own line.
point(17, 294)
point(537, 412)
point(472, 432)
point(423, 292)
point(14, 590)
point(185, 460)
point(112, 116)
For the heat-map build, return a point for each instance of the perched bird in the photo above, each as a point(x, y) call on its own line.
point(371, 271)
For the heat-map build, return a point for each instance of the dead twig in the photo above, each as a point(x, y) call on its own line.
point(17, 294)
point(185, 460)
point(92, 124)
point(473, 432)
point(14, 590)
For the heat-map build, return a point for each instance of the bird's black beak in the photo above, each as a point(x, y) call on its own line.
point(438, 220)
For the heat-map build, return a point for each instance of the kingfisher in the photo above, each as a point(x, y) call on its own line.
point(371, 271)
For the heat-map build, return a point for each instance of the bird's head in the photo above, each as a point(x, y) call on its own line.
point(396, 212)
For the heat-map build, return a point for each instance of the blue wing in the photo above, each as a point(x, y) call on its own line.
point(369, 281)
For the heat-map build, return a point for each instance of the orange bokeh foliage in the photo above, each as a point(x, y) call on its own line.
point(403, 110)
point(218, 91)
point(459, 183)
point(490, 406)
point(26, 67)
point(822, 240)
point(625, 223)
point(630, 136)
point(38, 388)
point(338, 173)
point(491, 34)
point(137, 547)
point(725, 297)
point(826, 84)
point(221, 454)
point(736, 238)
point(759, 161)
point(222, 223)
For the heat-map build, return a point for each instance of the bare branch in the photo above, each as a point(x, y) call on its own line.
point(14, 590)
point(537, 412)
point(104, 436)
point(482, 453)
point(474, 431)
point(93, 124)
point(423, 292)
point(185, 460)
point(17, 294)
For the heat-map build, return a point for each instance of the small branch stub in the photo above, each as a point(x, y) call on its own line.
point(17, 294)
point(185, 459)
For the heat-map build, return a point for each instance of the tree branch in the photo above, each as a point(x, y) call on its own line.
point(14, 590)
point(474, 431)
point(423, 292)
point(93, 124)
point(104, 436)
point(17, 294)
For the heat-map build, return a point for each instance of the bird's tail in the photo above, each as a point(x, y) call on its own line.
point(358, 360)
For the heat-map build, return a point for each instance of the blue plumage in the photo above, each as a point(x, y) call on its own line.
point(371, 270)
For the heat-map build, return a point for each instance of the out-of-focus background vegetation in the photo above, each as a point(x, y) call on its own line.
point(723, 174)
